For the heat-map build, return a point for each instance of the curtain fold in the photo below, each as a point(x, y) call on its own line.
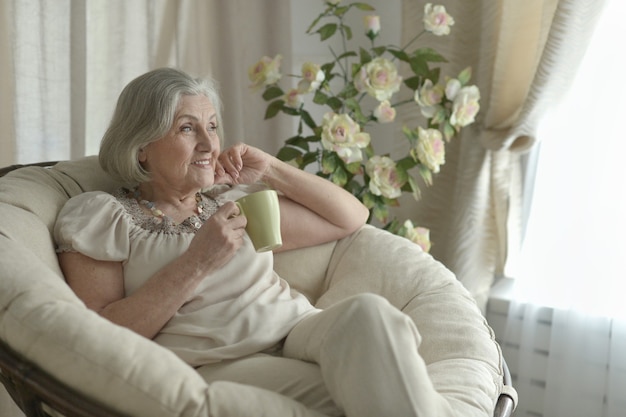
point(523, 56)
point(64, 64)
point(7, 86)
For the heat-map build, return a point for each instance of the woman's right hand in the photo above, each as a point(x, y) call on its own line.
point(217, 241)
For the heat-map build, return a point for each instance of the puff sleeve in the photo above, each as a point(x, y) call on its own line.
point(96, 225)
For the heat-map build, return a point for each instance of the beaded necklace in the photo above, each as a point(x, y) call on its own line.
point(158, 213)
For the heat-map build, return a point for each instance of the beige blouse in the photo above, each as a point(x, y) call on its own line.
point(242, 309)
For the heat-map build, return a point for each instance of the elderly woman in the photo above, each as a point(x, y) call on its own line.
point(168, 257)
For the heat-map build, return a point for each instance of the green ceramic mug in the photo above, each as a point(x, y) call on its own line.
point(263, 214)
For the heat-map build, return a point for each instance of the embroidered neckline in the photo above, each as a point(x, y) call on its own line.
point(207, 207)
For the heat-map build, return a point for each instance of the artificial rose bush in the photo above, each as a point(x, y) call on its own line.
point(358, 89)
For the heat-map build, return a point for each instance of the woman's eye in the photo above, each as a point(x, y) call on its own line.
point(212, 129)
point(186, 129)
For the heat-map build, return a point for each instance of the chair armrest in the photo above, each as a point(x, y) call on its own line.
point(31, 388)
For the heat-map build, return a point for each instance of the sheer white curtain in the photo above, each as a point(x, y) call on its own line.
point(569, 286)
point(63, 64)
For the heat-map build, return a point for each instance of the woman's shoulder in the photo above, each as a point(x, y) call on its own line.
point(91, 203)
point(93, 223)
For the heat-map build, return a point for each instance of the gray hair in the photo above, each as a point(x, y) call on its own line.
point(144, 113)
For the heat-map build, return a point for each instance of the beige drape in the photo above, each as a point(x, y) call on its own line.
point(63, 64)
point(523, 55)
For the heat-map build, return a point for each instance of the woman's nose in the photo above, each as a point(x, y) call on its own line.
point(205, 141)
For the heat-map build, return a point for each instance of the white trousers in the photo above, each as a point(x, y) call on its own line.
point(358, 357)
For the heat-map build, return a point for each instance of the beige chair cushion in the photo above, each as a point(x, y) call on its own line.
point(42, 318)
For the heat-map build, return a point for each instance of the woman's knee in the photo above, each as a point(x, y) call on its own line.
point(372, 310)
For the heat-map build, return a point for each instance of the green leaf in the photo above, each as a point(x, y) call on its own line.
point(349, 91)
point(353, 187)
point(272, 92)
point(347, 54)
point(363, 6)
point(341, 10)
point(320, 98)
point(429, 55)
point(369, 200)
point(411, 135)
point(347, 31)
point(369, 150)
point(405, 164)
point(354, 168)
point(274, 108)
point(327, 68)
point(287, 153)
point(465, 75)
point(427, 176)
point(413, 82)
point(401, 55)
point(419, 66)
point(352, 104)
point(379, 50)
point(439, 117)
point(391, 202)
point(339, 177)
point(308, 158)
point(298, 142)
point(327, 31)
point(329, 162)
point(290, 111)
point(335, 104)
point(308, 120)
point(381, 212)
point(448, 131)
point(434, 75)
point(365, 56)
point(414, 188)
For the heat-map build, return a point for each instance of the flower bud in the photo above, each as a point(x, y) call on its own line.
point(372, 26)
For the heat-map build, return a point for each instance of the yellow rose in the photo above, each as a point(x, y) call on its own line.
point(312, 77)
point(383, 177)
point(384, 113)
point(265, 72)
point(436, 20)
point(343, 135)
point(379, 78)
point(430, 148)
point(428, 97)
point(465, 107)
point(293, 98)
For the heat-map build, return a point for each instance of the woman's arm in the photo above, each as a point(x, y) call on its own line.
point(313, 209)
point(100, 284)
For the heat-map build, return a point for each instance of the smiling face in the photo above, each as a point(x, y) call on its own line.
point(183, 161)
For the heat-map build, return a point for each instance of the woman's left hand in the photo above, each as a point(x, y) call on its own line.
point(243, 164)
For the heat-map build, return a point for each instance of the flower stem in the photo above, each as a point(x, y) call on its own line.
point(413, 40)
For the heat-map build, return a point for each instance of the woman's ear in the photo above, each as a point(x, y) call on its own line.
point(141, 155)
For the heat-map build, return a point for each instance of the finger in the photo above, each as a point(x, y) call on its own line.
point(230, 210)
point(219, 169)
point(235, 158)
point(221, 176)
point(226, 160)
